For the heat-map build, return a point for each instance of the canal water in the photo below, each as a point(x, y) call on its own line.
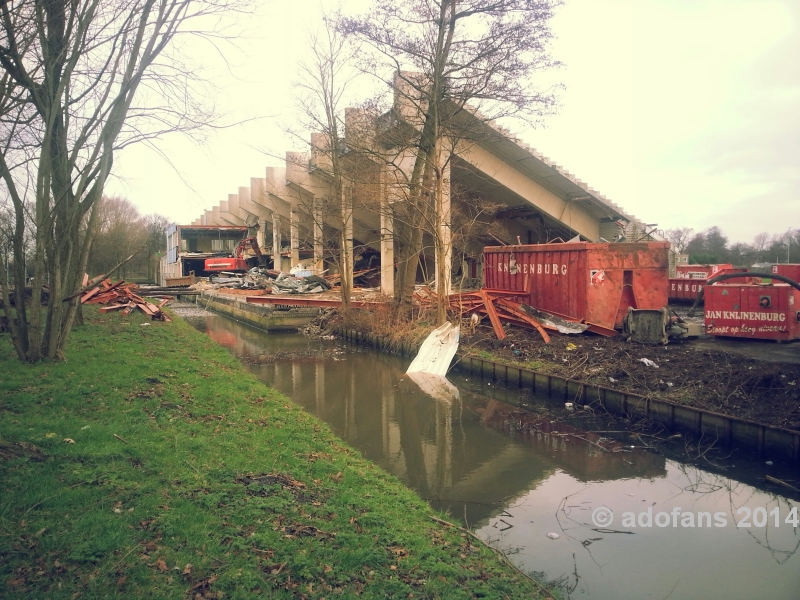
point(530, 479)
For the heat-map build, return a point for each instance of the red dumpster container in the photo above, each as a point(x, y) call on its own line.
point(593, 282)
point(790, 270)
point(761, 311)
point(700, 271)
point(691, 279)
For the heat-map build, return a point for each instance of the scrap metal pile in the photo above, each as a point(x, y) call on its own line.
point(277, 282)
point(120, 296)
point(502, 306)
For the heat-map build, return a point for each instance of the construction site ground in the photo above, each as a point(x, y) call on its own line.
point(751, 379)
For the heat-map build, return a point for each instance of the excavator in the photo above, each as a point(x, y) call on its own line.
point(237, 263)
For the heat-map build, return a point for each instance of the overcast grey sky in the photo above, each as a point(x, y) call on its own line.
point(684, 112)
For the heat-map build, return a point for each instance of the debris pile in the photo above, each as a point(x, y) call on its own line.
point(120, 296)
point(502, 306)
point(278, 282)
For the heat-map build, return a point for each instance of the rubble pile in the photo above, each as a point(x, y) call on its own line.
point(120, 296)
point(277, 282)
point(502, 306)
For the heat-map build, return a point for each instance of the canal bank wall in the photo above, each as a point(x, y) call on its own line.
point(765, 440)
point(268, 317)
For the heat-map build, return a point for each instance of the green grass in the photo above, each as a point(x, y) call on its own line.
point(189, 478)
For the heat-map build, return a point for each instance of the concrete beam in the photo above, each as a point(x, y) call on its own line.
point(227, 216)
point(569, 213)
point(237, 210)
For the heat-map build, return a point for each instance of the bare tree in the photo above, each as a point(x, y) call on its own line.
point(120, 231)
point(761, 243)
point(473, 55)
point(679, 237)
point(80, 80)
point(323, 80)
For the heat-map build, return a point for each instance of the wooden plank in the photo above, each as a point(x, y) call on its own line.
point(146, 308)
point(111, 307)
point(88, 295)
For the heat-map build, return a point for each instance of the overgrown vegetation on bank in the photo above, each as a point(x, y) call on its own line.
point(149, 464)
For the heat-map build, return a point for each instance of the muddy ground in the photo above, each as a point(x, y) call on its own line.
point(724, 381)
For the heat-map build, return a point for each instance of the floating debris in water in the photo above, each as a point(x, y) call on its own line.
point(553, 536)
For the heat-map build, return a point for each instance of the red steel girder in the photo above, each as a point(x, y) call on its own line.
point(323, 302)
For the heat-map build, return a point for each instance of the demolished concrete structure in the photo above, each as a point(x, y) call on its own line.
point(520, 195)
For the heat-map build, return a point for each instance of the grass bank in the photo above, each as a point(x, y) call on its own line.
point(149, 464)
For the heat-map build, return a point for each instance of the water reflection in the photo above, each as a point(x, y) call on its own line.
point(517, 475)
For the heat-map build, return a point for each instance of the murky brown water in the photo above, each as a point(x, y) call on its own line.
point(516, 476)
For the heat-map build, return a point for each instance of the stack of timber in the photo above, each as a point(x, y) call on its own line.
point(120, 296)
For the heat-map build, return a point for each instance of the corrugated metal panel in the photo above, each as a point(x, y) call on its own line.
point(595, 282)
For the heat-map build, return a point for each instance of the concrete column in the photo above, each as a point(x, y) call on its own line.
point(276, 241)
point(257, 195)
point(261, 236)
point(346, 268)
point(444, 232)
point(387, 237)
point(294, 236)
point(317, 229)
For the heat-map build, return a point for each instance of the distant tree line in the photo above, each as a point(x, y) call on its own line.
point(120, 231)
point(712, 246)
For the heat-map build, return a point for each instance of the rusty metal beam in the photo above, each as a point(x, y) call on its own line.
point(493, 317)
point(321, 302)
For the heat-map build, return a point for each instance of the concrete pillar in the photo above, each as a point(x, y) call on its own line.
point(444, 232)
point(257, 196)
point(261, 237)
point(346, 268)
point(294, 236)
point(316, 217)
point(276, 241)
point(387, 237)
